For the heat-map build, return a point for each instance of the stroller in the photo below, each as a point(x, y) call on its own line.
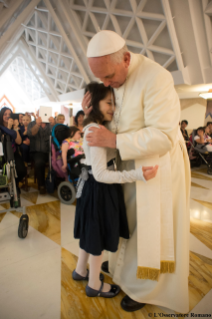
point(66, 189)
point(8, 189)
point(199, 155)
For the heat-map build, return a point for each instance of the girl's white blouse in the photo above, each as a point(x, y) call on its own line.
point(98, 157)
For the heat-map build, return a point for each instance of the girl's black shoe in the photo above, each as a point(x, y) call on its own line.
point(78, 277)
point(114, 291)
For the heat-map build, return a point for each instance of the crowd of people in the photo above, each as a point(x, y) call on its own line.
point(201, 137)
point(30, 141)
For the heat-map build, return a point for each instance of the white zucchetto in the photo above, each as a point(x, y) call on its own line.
point(103, 43)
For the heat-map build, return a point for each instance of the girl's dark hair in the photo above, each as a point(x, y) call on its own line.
point(73, 130)
point(201, 128)
point(3, 110)
point(98, 93)
point(77, 115)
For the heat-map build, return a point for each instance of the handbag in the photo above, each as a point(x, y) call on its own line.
point(50, 181)
point(51, 177)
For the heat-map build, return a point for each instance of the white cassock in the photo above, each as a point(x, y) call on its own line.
point(148, 110)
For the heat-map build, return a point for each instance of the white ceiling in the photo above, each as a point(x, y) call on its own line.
point(43, 43)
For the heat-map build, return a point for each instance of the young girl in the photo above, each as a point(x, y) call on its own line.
point(74, 142)
point(203, 139)
point(79, 118)
point(100, 212)
point(60, 119)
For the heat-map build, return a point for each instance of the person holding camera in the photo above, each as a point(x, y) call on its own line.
point(9, 125)
point(39, 134)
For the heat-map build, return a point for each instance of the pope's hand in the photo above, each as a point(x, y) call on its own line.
point(101, 137)
point(149, 172)
point(86, 103)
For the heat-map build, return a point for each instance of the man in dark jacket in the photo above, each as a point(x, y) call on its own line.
point(39, 134)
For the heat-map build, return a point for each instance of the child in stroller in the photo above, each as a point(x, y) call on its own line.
point(72, 153)
point(203, 139)
point(73, 142)
point(201, 149)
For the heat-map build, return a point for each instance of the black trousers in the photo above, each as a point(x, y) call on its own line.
point(21, 169)
point(40, 159)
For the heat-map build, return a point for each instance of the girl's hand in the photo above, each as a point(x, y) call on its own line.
point(201, 133)
point(27, 141)
point(86, 102)
point(10, 124)
point(15, 124)
point(149, 172)
point(64, 168)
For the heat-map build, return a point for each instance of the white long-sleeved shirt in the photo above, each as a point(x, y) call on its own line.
point(98, 157)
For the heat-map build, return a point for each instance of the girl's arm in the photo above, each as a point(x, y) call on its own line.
point(8, 131)
point(18, 140)
point(64, 149)
point(100, 172)
point(200, 140)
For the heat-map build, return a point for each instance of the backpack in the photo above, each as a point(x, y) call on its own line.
point(59, 133)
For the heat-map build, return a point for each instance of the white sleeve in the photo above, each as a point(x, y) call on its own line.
point(101, 174)
point(196, 137)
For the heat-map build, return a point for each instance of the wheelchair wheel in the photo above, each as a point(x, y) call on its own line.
point(209, 171)
point(15, 204)
point(23, 226)
point(66, 193)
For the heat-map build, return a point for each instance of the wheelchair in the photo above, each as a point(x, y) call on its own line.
point(8, 188)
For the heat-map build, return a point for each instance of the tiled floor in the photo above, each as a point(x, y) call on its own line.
point(35, 272)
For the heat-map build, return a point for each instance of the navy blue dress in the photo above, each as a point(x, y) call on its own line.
point(100, 217)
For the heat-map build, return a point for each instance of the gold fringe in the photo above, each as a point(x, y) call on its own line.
point(167, 266)
point(148, 273)
point(153, 273)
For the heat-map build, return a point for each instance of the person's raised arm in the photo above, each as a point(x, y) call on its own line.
point(35, 128)
point(18, 139)
point(161, 116)
point(200, 140)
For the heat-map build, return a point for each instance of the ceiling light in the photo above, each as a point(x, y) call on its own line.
point(206, 95)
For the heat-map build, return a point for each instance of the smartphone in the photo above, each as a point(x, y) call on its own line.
point(14, 116)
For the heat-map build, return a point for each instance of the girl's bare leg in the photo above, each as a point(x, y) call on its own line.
point(81, 268)
point(95, 267)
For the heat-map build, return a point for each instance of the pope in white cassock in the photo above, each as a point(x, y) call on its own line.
point(153, 265)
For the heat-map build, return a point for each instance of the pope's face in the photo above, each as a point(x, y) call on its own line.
point(109, 72)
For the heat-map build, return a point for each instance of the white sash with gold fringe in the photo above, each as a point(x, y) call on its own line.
point(155, 242)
